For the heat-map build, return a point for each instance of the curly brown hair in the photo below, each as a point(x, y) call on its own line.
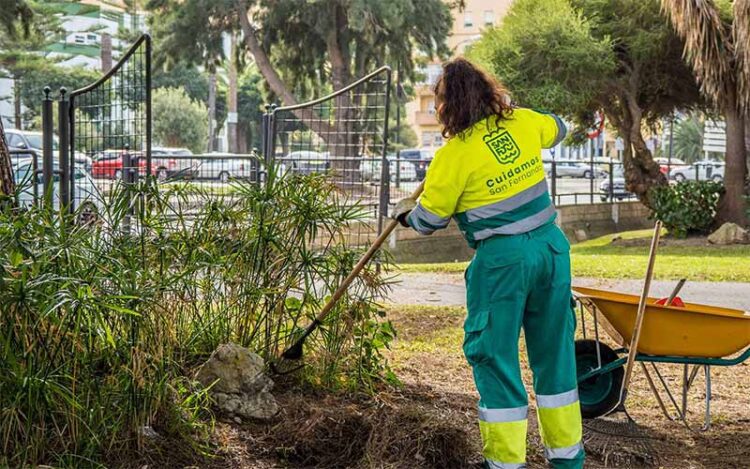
point(466, 94)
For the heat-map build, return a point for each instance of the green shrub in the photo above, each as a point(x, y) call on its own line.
point(102, 324)
point(686, 207)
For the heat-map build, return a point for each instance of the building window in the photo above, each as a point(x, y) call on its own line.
point(431, 107)
point(433, 72)
point(489, 17)
point(432, 139)
point(468, 19)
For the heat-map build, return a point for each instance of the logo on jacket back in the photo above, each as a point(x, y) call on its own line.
point(502, 146)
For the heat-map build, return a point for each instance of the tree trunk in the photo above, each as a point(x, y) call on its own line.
point(641, 171)
point(733, 206)
point(7, 186)
point(242, 140)
point(232, 99)
point(17, 104)
point(273, 78)
point(211, 110)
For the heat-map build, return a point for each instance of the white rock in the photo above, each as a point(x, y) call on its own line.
point(729, 233)
point(240, 387)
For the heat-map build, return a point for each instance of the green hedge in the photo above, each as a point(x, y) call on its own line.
point(687, 207)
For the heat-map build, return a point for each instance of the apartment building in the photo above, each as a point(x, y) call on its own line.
point(467, 28)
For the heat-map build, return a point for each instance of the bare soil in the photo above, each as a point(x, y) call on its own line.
point(663, 241)
point(431, 421)
point(652, 441)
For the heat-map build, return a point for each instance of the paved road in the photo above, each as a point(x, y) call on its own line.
point(448, 289)
point(565, 186)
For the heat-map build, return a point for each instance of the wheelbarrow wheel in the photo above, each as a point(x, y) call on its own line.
point(600, 393)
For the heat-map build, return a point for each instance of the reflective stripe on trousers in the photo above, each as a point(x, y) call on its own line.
point(560, 424)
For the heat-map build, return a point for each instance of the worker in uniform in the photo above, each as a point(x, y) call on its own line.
point(490, 179)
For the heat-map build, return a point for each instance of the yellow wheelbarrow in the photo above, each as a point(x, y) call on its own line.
point(696, 336)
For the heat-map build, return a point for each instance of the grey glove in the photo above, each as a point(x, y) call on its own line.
point(402, 210)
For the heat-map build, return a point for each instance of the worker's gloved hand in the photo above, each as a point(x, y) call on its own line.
point(403, 207)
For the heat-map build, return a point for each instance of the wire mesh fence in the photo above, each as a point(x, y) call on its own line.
point(344, 135)
point(110, 126)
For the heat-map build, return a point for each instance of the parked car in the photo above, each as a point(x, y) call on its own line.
point(27, 140)
point(108, 164)
point(573, 168)
point(706, 170)
point(371, 169)
point(32, 141)
point(226, 166)
point(420, 158)
point(172, 163)
point(86, 195)
point(619, 191)
point(667, 164)
point(306, 162)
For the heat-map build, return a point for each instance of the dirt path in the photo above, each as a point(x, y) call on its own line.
point(448, 290)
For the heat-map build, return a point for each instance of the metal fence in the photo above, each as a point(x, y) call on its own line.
point(344, 134)
point(109, 128)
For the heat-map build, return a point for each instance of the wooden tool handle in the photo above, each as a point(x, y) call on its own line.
point(363, 261)
point(633, 350)
point(676, 291)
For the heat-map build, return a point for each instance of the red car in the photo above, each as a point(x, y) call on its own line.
point(108, 164)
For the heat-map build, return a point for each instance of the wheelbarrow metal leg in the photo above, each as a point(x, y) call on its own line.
point(693, 374)
point(685, 389)
point(596, 336)
point(669, 393)
point(707, 421)
point(655, 392)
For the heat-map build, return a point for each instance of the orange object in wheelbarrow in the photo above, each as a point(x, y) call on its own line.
point(693, 330)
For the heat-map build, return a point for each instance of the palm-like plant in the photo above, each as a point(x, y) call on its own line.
point(717, 46)
point(688, 139)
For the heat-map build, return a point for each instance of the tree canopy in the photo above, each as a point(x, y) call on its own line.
point(300, 47)
point(179, 121)
point(615, 56)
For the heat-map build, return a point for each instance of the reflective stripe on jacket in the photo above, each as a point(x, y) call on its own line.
point(491, 181)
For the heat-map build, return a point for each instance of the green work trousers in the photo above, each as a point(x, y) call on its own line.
point(514, 282)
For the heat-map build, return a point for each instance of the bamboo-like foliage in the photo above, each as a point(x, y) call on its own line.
point(102, 326)
point(708, 43)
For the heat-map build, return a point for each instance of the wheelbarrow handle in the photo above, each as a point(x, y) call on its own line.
point(633, 349)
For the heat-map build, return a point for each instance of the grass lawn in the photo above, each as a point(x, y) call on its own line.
point(601, 258)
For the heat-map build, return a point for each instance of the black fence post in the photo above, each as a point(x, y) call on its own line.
point(271, 135)
point(386, 184)
point(66, 168)
point(611, 181)
point(127, 182)
point(147, 151)
point(264, 135)
point(47, 152)
point(553, 172)
point(591, 168)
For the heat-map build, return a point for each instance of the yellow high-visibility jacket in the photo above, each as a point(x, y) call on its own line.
point(491, 181)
